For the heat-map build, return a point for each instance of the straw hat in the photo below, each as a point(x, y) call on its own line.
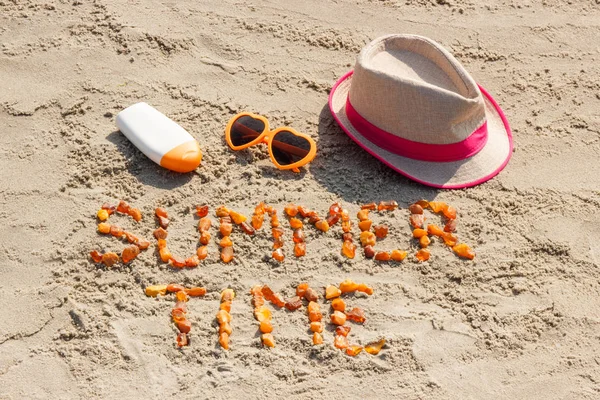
point(412, 105)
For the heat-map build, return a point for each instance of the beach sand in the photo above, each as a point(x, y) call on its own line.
point(521, 321)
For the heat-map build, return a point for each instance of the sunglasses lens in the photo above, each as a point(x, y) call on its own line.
point(245, 129)
point(289, 148)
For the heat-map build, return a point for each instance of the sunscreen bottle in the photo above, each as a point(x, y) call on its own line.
point(159, 137)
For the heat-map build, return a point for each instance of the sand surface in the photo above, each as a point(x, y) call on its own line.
point(521, 321)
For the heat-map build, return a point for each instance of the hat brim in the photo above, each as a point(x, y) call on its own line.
point(484, 165)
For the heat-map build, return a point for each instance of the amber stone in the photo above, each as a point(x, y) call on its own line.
point(382, 256)
point(293, 303)
point(182, 340)
point(335, 209)
point(381, 231)
point(370, 206)
point(205, 238)
point(102, 214)
point(342, 330)
point(237, 217)
point(299, 249)
point(434, 230)
point(298, 235)
point(163, 222)
point(437, 206)
point(226, 242)
point(204, 224)
point(117, 231)
point(332, 292)
point(363, 215)
point(349, 249)
point(103, 227)
point(398, 255)
point(180, 295)
point(333, 219)
point(450, 225)
point(195, 291)
point(316, 326)
point(311, 295)
point(419, 233)
point(201, 211)
point(317, 338)
point(364, 288)
point(415, 209)
point(225, 229)
point(341, 342)
point(295, 223)
point(356, 315)
point(109, 259)
point(257, 221)
point(202, 252)
point(177, 262)
point(348, 286)
point(136, 214)
point(278, 255)
point(353, 350)
point(464, 251)
point(222, 211)
point(266, 326)
point(192, 261)
point(322, 225)
point(387, 205)
point(338, 304)
point(160, 233)
point(268, 340)
point(368, 239)
point(165, 254)
point(338, 318)
point(130, 253)
point(301, 289)
point(369, 251)
point(224, 340)
point(96, 256)
point(422, 255)
point(417, 220)
point(375, 347)
point(291, 210)
point(449, 239)
point(365, 225)
point(227, 254)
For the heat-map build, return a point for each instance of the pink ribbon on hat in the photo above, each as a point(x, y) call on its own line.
point(417, 150)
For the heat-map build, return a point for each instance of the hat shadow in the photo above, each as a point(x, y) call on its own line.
point(145, 170)
point(353, 174)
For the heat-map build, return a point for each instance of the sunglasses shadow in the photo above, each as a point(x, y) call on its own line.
point(145, 170)
point(259, 152)
point(347, 170)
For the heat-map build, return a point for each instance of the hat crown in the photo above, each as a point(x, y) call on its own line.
point(411, 87)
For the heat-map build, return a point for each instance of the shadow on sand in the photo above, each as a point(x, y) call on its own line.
point(144, 169)
point(348, 171)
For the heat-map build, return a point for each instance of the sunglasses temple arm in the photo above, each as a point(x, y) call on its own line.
point(280, 145)
point(290, 149)
point(247, 131)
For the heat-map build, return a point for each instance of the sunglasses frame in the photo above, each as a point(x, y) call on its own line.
point(267, 136)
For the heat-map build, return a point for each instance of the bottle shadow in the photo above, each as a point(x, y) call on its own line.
point(145, 170)
point(344, 168)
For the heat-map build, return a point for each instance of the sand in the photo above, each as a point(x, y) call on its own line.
point(520, 321)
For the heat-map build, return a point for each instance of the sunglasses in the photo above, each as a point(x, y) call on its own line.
point(288, 149)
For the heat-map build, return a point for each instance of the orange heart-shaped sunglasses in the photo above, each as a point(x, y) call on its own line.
point(288, 148)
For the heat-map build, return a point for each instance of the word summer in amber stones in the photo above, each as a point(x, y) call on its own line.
point(296, 217)
point(340, 315)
